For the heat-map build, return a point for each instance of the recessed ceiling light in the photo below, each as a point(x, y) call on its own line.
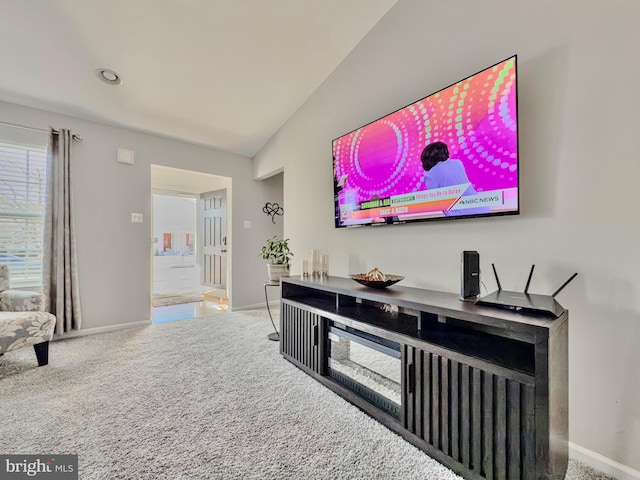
point(108, 76)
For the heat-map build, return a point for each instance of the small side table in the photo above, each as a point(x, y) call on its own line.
point(275, 336)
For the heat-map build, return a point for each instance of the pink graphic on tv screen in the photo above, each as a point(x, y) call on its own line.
point(476, 118)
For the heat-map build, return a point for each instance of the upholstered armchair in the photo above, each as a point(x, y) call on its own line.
point(23, 320)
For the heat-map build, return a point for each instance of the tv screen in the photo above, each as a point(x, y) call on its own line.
point(453, 154)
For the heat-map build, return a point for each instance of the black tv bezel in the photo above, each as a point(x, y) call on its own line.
point(431, 219)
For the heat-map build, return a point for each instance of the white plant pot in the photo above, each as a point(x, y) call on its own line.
point(277, 270)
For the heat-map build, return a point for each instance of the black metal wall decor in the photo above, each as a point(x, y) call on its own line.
point(272, 209)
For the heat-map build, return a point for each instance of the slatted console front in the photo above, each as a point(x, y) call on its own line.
point(484, 391)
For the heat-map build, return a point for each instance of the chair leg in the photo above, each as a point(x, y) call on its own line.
point(42, 353)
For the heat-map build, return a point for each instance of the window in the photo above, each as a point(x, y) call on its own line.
point(23, 172)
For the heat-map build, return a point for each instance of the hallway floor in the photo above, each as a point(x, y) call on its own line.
point(183, 311)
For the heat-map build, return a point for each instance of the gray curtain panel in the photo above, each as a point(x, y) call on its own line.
point(60, 271)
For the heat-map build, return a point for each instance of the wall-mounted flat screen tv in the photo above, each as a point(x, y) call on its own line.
point(451, 155)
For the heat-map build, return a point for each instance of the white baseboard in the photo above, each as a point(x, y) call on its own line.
point(602, 463)
point(110, 328)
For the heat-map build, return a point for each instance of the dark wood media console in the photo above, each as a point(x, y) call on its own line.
point(482, 390)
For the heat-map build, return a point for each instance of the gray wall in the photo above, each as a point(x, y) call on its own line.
point(273, 186)
point(579, 169)
point(113, 253)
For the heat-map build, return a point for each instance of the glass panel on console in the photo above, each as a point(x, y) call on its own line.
point(366, 364)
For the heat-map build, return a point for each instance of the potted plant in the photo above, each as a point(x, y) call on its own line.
point(276, 252)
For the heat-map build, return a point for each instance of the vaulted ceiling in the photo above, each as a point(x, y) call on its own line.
point(223, 73)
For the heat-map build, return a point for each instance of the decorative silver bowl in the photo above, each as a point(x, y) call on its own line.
point(361, 278)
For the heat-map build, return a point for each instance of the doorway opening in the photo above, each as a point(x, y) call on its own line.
point(175, 270)
point(190, 245)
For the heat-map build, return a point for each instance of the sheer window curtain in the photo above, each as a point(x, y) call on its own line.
point(60, 283)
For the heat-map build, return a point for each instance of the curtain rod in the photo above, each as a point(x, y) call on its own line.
point(77, 138)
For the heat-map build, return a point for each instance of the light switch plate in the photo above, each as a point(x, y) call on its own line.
point(247, 224)
point(136, 218)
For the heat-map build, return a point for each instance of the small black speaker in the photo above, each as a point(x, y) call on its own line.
point(470, 274)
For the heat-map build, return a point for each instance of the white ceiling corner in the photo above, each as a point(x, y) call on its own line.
point(223, 73)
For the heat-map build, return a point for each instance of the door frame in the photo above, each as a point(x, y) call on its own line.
point(176, 180)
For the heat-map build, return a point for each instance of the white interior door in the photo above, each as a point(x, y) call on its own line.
point(213, 254)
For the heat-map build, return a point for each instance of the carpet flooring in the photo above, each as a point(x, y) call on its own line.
point(208, 398)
